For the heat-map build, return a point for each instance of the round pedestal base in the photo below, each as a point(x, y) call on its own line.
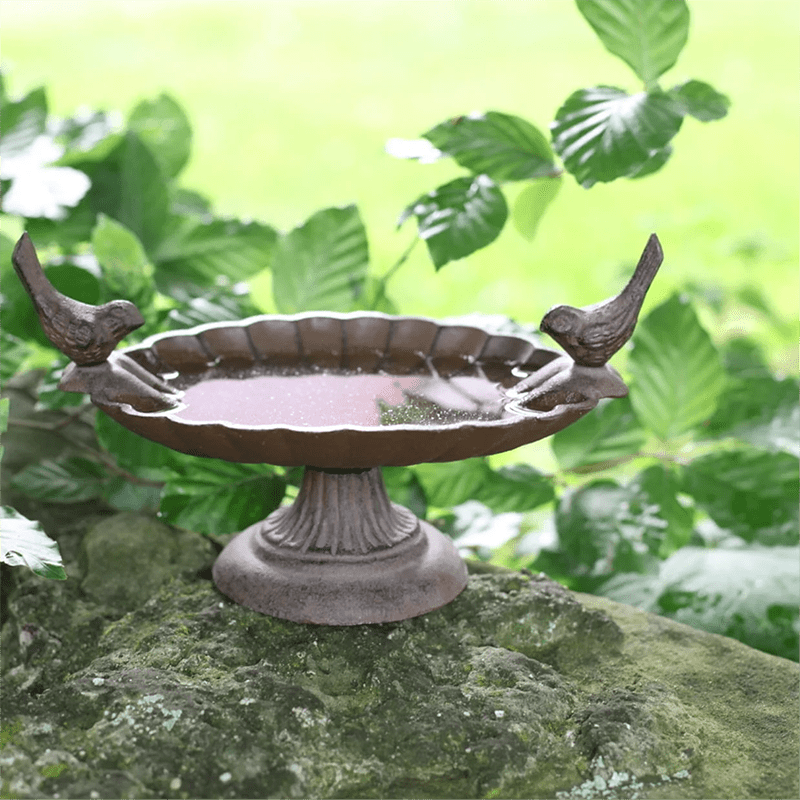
point(341, 554)
point(422, 573)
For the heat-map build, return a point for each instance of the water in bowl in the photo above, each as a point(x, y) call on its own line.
point(314, 399)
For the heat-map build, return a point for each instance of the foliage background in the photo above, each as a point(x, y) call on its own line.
point(291, 104)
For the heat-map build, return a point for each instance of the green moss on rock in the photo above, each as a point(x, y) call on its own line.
point(516, 689)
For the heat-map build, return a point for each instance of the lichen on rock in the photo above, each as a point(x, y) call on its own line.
point(518, 688)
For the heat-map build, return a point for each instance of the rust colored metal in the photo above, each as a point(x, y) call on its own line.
point(342, 554)
point(591, 335)
point(380, 390)
point(88, 335)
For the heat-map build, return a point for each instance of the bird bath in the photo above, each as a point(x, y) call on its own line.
point(343, 395)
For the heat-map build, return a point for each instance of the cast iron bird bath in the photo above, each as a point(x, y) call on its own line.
point(341, 395)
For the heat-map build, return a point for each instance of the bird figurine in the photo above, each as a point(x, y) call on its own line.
point(591, 335)
point(88, 335)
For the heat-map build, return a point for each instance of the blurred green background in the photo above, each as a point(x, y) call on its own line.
point(292, 102)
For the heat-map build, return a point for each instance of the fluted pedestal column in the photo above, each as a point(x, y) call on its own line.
point(342, 554)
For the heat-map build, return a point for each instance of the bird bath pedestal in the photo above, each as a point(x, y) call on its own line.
point(341, 395)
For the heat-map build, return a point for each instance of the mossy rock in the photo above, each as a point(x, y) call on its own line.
point(517, 688)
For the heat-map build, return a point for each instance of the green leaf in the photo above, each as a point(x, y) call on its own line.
point(476, 526)
point(700, 100)
point(762, 411)
point(750, 594)
point(67, 480)
point(218, 497)
point(219, 305)
point(127, 272)
point(603, 133)
point(610, 432)
point(123, 495)
point(510, 489)
point(128, 186)
point(138, 455)
point(502, 146)
point(89, 135)
point(516, 488)
point(25, 543)
point(653, 164)
point(605, 528)
point(752, 493)
point(659, 487)
point(69, 234)
point(4, 404)
point(15, 352)
point(24, 121)
point(17, 316)
point(200, 252)
point(459, 217)
point(450, 484)
point(647, 35)
point(532, 202)
point(322, 264)
point(677, 372)
point(403, 487)
point(163, 126)
point(188, 203)
point(27, 155)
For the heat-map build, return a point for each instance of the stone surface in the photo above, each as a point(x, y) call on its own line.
point(130, 556)
point(516, 689)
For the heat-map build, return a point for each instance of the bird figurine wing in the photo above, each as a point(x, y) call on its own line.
point(591, 335)
point(88, 334)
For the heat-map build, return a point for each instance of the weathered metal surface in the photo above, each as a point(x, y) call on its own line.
point(591, 335)
point(343, 554)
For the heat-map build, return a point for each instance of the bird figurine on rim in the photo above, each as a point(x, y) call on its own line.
point(87, 335)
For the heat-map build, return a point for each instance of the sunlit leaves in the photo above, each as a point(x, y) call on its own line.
point(677, 372)
point(39, 187)
point(322, 264)
point(610, 432)
point(700, 100)
point(503, 146)
point(217, 497)
point(750, 492)
point(24, 543)
point(648, 35)
point(163, 126)
point(200, 251)
point(129, 186)
point(519, 487)
point(750, 594)
point(603, 133)
point(4, 404)
point(532, 202)
point(458, 218)
point(126, 269)
point(763, 411)
point(516, 488)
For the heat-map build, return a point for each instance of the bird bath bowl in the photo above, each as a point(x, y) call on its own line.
point(342, 395)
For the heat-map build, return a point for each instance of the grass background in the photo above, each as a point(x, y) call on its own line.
point(291, 103)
